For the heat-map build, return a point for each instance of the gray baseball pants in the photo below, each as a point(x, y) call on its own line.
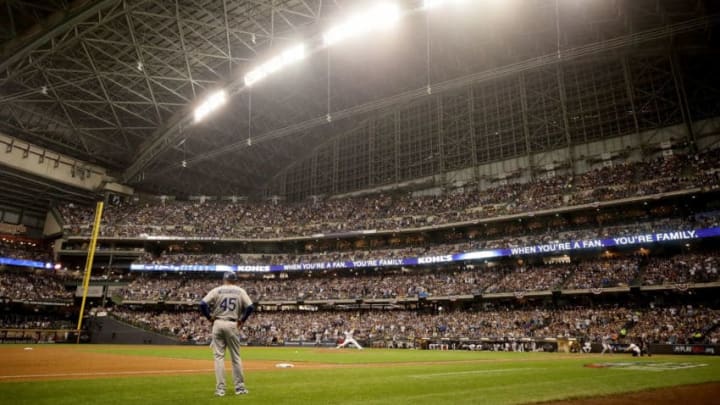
point(225, 335)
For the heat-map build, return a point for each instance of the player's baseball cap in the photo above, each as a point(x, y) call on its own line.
point(229, 275)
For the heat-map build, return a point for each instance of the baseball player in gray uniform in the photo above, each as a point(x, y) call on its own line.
point(227, 307)
point(606, 344)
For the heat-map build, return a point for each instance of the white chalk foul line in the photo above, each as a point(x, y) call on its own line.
point(102, 373)
point(493, 371)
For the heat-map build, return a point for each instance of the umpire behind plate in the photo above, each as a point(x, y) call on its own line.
point(227, 307)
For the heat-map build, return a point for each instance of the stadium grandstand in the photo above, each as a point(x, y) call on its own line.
point(479, 175)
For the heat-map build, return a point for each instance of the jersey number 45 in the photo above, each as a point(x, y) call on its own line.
point(228, 304)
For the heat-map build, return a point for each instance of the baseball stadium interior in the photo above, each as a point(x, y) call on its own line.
point(539, 175)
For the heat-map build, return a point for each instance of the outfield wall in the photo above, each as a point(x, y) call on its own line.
point(106, 330)
point(712, 350)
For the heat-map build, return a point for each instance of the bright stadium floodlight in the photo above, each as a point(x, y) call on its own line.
point(294, 54)
point(254, 76)
point(428, 4)
point(212, 103)
point(433, 3)
point(286, 58)
point(379, 17)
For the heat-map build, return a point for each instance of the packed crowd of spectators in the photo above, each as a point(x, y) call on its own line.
point(317, 286)
point(447, 280)
point(531, 278)
point(687, 268)
point(679, 325)
point(714, 336)
point(20, 249)
point(46, 286)
point(154, 289)
point(451, 280)
point(635, 179)
point(244, 219)
point(323, 287)
point(590, 233)
point(617, 324)
point(706, 165)
point(603, 274)
point(22, 321)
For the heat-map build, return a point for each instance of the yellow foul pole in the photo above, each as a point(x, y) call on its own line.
point(89, 263)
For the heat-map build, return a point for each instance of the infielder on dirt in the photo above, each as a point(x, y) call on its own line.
point(606, 344)
point(634, 349)
point(227, 307)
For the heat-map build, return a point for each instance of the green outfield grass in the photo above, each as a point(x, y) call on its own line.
point(407, 377)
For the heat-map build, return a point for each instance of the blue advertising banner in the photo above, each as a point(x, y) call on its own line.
point(558, 247)
point(9, 261)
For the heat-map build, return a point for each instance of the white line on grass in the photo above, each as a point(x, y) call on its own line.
point(102, 373)
point(492, 371)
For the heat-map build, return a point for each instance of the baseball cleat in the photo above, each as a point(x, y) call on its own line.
point(219, 393)
point(241, 391)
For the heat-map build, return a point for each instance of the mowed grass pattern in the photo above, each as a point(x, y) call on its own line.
point(370, 377)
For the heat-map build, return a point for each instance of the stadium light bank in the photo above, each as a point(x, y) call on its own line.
point(429, 4)
point(380, 16)
point(211, 103)
point(288, 57)
point(377, 18)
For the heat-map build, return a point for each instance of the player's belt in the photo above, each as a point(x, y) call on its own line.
point(227, 319)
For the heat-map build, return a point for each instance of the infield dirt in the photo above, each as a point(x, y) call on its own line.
point(54, 363)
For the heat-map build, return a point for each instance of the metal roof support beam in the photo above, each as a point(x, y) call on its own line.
point(59, 143)
point(118, 123)
point(234, 33)
point(682, 99)
point(67, 115)
point(184, 48)
point(473, 132)
point(62, 124)
point(522, 87)
point(227, 37)
point(157, 30)
point(141, 59)
point(12, 54)
point(98, 100)
point(159, 48)
point(135, 92)
point(34, 90)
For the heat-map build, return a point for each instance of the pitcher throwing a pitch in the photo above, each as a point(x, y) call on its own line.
point(227, 307)
point(349, 340)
